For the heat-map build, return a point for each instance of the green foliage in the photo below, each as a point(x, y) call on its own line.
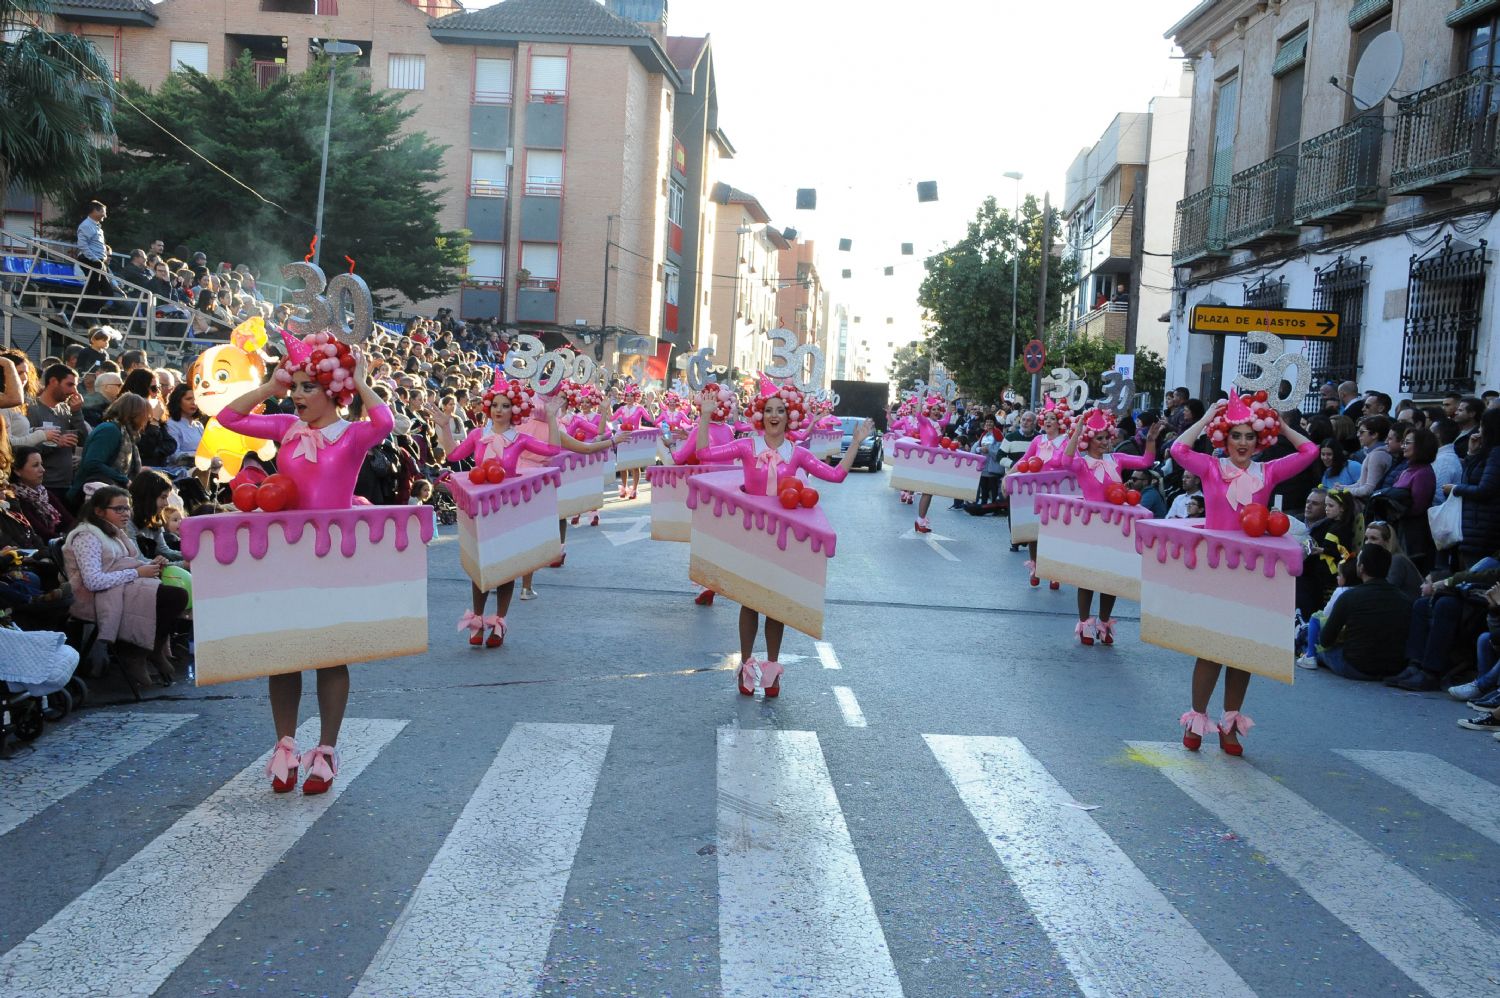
point(966, 296)
point(911, 363)
point(381, 207)
point(54, 115)
point(1089, 357)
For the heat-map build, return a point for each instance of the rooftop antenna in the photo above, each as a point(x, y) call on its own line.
point(1377, 70)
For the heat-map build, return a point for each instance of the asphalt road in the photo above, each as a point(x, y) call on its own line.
point(950, 798)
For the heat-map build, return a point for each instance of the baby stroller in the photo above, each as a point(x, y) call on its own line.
point(443, 506)
point(36, 682)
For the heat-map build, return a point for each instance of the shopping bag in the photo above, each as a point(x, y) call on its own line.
point(1447, 522)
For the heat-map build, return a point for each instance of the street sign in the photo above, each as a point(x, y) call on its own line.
point(1034, 356)
point(1288, 323)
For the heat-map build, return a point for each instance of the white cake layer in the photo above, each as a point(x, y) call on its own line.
point(635, 453)
point(934, 481)
point(764, 572)
point(1024, 521)
point(248, 615)
point(1091, 560)
point(1221, 630)
point(580, 492)
point(497, 548)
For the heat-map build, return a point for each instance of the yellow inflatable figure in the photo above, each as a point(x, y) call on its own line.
point(220, 375)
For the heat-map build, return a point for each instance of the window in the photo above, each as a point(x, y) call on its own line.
point(544, 173)
point(108, 47)
point(1340, 287)
point(675, 196)
point(1226, 123)
point(549, 77)
point(1290, 71)
point(670, 310)
point(487, 174)
point(193, 55)
point(491, 81)
point(407, 72)
point(486, 263)
point(540, 261)
point(1444, 302)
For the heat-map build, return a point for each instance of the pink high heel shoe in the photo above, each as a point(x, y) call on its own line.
point(1106, 630)
point(632, 492)
point(322, 767)
point(1233, 724)
point(1085, 631)
point(770, 678)
point(1195, 725)
point(923, 527)
point(749, 676)
point(498, 629)
point(474, 623)
point(282, 767)
point(1031, 570)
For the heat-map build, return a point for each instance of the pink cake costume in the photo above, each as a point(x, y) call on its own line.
point(586, 422)
point(921, 466)
point(507, 523)
point(1054, 476)
point(671, 519)
point(1087, 540)
point(1223, 588)
point(825, 434)
point(899, 425)
point(758, 536)
point(638, 450)
point(329, 582)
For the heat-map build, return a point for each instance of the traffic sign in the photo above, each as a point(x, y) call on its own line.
point(1034, 356)
point(1288, 323)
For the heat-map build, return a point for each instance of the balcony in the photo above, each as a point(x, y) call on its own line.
point(267, 72)
point(1338, 172)
point(1201, 221)
point(1109, 242)
point(1261, 202)
point(1110, 323)
point(1447, 134)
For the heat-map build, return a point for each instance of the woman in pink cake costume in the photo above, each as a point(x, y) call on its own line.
point(1097, 470)
point(931, 417)
point(720, 432)
point(321, 452)
point(628, 417)
point(902, 423)
point(673, 415)
point(766, 458)
point(1049, 447)
point(584, 422)
point(1243, 428)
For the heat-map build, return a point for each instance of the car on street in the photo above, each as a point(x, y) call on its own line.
point(871, 454)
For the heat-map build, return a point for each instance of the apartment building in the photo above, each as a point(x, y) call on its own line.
point(1139, 157)
point(746, 277)
point(1382, 210)
point(802, 299)
point(558, 116)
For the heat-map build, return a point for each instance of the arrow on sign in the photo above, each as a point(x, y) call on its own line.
point(931, 541)
point(639, 530)
point(1327, 324)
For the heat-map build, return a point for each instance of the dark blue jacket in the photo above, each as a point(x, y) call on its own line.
point(1480, 490)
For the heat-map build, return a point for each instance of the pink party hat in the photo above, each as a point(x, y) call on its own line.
point(297, 352)
point(500, 380)
point(1237, 411)
point(1098, 421)
point(767, 387)
point(1049, 405)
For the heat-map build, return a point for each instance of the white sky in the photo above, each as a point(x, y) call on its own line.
point(863, 99)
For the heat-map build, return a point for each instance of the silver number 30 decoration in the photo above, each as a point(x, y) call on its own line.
point(1064, 384)
point(699, 367)
point(789, 361)
point(1271, 363)
point(326, 302)
point(530, 361)
point(1119, 392)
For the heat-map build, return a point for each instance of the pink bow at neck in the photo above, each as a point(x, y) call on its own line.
point(494, 446)
point(308, 442)
point(767, 461)
point(1103, 469)
point(1243, 482)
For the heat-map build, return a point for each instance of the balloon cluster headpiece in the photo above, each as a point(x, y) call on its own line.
point(819, 406)
point(579, 397)
point(934, 406)
point(522, 398)
point(1251, 410)
point(1099, 423)
point(1059, 409)
point(796, 404)
point(908, 407)
point(670, 400)
point(630, 393)
point(722, 410)
point(323, 359)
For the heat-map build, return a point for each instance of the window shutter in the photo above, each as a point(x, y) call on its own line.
point(194, 55)
point(492, 81)
point(486, 261)
point(407, 72)
point(487, 174)
point(540, 260)
point(544, 172)
point(1365, 11)
point(1471, 10)
point(105, 46)
point(549, 75)
point(1291, 54)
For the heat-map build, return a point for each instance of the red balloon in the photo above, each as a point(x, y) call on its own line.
point(1115, 493)
point(945, 443)
point(1278, 523)
point(494, 472)
point(1036, 465)
point(245, 498)
point(1132, 497)
point(809, 498)
point(476, 474)
point(1253, 520)
point(790, 498)
point(580, 434)
point(288, 488)
point(795, 484)
point(1261, 395)
point(272, 497)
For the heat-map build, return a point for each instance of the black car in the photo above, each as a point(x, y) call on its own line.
point(871, 455)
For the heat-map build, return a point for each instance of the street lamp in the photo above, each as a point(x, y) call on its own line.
point(334, 49)
point(1015, 263)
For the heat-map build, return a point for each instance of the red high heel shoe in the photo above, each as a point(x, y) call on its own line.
point(1235, 724)
point(1054, 586)
point(561, 557)
point(1085, 631)
point(749, 677)
point(497, 632)
point(705, 598)
point(1194, 725)
point(322, 767)
point(770, 678)
point(1031, 568)
point(1106, 630)
point(574, 521)
point(282, 766)
point(475, 623)
point(594, 520)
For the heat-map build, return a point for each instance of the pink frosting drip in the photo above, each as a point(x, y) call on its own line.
point(1179, 540)
point(1039, 483)
point(572, 460)
point(518, 489)
point(224, 528)
point(808, 526)
point(676, 474)
point(1064, 508)
point(957, 458)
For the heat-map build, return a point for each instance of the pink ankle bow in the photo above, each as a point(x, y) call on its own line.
point(471, 621)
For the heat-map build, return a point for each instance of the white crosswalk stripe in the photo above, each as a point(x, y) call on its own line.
point(795, 915)
point(481, 919)
point(181, 885)
point(1116, 931)
point(1456, 792)
point(1424, 933)
point(73, 756)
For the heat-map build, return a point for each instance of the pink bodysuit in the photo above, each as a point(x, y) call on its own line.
point(719, 435)
point(632, 418)
point(324, 464)
point(1227, 489)
point(1053, 452)
point(1096, 475)
point(483, 441)
point(929, 434)
point(757, 460)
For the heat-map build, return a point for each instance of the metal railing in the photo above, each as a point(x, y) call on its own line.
point(43, 294)
point(1338, 172)
point(1261, 201)
point(1444, 304)
point(1201, 223)
point(1447, 133)
point(267, 72)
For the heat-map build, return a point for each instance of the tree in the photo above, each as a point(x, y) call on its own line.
point(910, 363)
point(54, 108)
point(1089, 357)
point(381, 209)
point(966, 295)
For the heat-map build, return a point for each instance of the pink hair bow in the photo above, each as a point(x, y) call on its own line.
point(308, 441)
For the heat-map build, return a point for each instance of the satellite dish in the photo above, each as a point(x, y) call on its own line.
point(1377, 70)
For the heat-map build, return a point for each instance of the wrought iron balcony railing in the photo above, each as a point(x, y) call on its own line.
point(1447, 133)
point(1261, 201)
point(1338, 172)
point(1201, 222)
